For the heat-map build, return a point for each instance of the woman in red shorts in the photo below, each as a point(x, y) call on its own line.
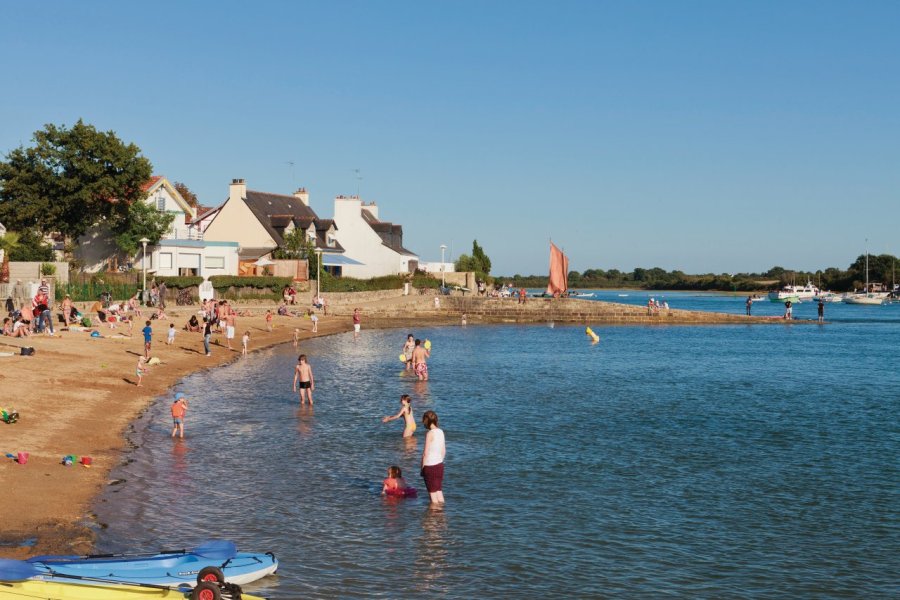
point(433, 457)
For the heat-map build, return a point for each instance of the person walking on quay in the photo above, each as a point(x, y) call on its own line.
point(433, 457)
point(821, 309)
point(749, 304)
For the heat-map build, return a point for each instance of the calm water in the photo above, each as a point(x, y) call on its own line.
point(683, 462)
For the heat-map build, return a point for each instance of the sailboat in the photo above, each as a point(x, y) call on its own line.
point(867, 297)
point(559, 272)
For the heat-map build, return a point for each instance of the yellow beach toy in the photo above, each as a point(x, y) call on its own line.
point(591, 334)
point(403, 358)
point(428, 344)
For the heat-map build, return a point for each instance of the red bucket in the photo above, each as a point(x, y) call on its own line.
point(87, 461)
point(22, 458)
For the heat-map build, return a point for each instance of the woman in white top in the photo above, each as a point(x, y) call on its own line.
point(433, 457)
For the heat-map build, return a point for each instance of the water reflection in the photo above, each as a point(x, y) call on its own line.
point(177, 473)
point(305, 418)
point(432, 549)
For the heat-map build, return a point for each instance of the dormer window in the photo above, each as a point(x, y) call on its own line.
point(330, 241)
point(160, 203)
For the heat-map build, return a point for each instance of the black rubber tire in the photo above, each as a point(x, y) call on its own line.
point(213, 574)
point(206, 591)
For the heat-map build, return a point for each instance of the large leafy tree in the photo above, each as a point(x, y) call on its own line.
point(32, 247)
point(8, 243)
point(142, 221)
point(70, 180)
point(477, 262)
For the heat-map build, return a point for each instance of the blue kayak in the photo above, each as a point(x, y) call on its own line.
point(216, 561)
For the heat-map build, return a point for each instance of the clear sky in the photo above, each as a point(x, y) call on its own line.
point(705, 136)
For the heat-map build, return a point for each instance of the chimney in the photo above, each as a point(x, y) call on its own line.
point(372, 209)
point(237, 190)
point(302, 195)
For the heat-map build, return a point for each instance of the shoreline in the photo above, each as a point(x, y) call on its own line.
point(74, 398)
point(78, 395)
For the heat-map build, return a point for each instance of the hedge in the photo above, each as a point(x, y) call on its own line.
point(179, 282)
point(276, 284)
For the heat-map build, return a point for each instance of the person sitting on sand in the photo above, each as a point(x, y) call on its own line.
point(160, 314)
point(7, 326)
point(407, 414)
point(21, 328)
point(394, 481)
point(193, 324)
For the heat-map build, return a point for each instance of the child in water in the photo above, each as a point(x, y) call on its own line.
point(394, 484)
point(407, 414)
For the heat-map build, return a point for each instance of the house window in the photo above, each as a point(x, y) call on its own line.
point(160, 203)
point(165, 260)
point(215, 262)
point(331, 241)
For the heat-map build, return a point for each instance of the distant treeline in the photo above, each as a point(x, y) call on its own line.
point(881, 270)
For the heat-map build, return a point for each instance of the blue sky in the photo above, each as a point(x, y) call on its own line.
point(702, 136)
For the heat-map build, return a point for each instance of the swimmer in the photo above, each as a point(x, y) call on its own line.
point(408, 348)
point(419, 356)
point(394, 483)
point(303, 376)
point(407, 414)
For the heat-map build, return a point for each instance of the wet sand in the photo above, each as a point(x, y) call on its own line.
point(78, 395)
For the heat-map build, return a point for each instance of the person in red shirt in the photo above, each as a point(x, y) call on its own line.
point(179, 409)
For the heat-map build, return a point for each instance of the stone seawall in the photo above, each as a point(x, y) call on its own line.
point(539, 310)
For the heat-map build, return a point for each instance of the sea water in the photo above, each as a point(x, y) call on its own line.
point(712, 461)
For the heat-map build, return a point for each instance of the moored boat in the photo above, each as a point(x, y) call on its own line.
point(873, 299)
point(212, 561)
point(795, 293)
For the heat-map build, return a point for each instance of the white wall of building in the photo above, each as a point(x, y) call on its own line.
point(235, 221)
point(361, 243)
point(435, 267)
point(206, 258)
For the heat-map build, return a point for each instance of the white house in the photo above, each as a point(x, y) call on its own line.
point(259, 221)
point(375, 246)
point(181, 251)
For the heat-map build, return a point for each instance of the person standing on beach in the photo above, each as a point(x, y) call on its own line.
point(245, 342)
point(179, 409)
point(749, 304)
point(419, 356)
point(408, 349)
point(148, 339)
point(304, 380)
point(229, 324)
point(268, 320)
point(207, 333)
point(433, 457)
point(141, 370)
point(357, 322)
point(821, 309)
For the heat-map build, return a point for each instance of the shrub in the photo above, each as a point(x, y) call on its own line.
point(179, 282)
point(276, 284)
point(48, 269)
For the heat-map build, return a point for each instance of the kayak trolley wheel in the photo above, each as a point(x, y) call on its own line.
point(213, 574)
point(206, 590)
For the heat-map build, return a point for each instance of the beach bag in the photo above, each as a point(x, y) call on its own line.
point(86, 322)
point(29, 351)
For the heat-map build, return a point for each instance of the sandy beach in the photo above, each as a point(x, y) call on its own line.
point(78, 395)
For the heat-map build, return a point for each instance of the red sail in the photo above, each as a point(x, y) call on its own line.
point(559, 272)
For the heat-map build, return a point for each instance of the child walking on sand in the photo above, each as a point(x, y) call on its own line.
point(303, 376)
point(141, 369)
point(170, 338)
point(315, 322)
point(148, 339)
point(407, 414)
point(245, 341)
point(268, 320)
point(179, 409)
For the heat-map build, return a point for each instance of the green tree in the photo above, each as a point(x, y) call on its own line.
point(32, 247)
point(71, 180)
point(141, 221)
point(8, 243)
point(297, 245)
point(481, 259)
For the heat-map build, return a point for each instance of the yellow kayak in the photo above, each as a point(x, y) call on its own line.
point(52, 590)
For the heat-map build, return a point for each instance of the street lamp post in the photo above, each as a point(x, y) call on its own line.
point(443, 267)
point(319, 275)
point(144, 242)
